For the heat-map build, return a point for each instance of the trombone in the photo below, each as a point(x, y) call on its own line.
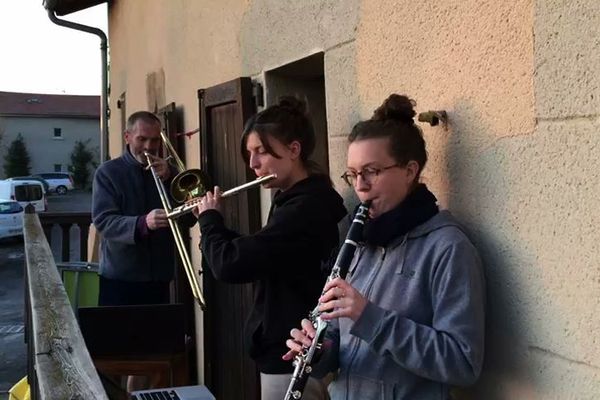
point(187, 187)
point(181, 249)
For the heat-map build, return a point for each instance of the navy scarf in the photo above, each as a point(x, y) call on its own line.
point(418, 207)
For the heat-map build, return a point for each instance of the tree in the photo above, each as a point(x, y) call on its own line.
point(16, 160)
point(81, 158)
point(2, 129)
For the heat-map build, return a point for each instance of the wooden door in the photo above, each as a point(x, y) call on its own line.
point(229, 372)
point(181, 293)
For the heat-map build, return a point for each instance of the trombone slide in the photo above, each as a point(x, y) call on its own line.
point(179, 243)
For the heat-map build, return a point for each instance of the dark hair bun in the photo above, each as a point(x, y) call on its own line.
point(293, 104)
point(396, 107)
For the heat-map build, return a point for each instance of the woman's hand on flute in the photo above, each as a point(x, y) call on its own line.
point(210, 201)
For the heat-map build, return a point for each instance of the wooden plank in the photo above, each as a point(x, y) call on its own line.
point(63, 366)
point(223, 109)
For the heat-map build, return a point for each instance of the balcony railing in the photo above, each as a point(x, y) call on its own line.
point(68, 223)
point(59, 365)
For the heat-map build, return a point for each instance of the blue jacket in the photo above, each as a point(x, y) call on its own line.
point(124, 191)
point(423, 327)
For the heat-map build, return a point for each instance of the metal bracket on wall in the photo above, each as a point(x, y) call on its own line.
point(434, 117)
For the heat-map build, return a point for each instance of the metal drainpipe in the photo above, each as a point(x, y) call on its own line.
point(104, 110)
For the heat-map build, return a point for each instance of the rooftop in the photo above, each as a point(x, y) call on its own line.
point(49, 105)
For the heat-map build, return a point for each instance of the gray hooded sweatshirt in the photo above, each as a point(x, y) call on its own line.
point(423, 327)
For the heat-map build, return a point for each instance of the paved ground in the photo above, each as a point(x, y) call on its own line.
point(12, 345)
point(76, 200)
point(12, 259)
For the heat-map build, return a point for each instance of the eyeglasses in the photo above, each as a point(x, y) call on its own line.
point(368, 174)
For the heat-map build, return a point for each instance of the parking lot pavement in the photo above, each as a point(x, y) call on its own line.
point(13, 351)
point(73, 201)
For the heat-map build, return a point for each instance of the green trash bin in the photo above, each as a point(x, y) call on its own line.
point(80, 279)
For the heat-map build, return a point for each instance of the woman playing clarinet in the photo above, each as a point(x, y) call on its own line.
point(408, 320)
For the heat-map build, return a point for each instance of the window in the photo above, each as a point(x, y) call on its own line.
point(58, 133)
point(304, 78)
point(28, 192)
point(10, 207)
point(57, 167)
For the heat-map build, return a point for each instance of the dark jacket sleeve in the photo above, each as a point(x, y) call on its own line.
point(239, 259)
point(107, 215)
point(187, 220)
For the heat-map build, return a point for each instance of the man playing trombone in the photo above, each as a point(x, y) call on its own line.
point(137, 249)
point(137, 252)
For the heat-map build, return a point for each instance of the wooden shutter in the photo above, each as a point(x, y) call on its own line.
point(182, 293)
point(122, 106)
point(229, 372)
point(171, 128)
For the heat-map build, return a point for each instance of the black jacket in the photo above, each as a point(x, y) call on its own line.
point(284, 258)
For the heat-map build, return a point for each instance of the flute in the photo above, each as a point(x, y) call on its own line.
point(191, 204)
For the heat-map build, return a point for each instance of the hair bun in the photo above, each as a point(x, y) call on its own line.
point(396, 107)
point(293, 104)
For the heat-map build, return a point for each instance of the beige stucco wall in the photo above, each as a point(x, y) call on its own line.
point(516, 163)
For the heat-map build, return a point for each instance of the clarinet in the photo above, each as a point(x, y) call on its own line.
point(303, 361)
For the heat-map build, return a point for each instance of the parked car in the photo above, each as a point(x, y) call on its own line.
point(60, 182)
point(24, 192)
point(11, 218)
point(32, 178)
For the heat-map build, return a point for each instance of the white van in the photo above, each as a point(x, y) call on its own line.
point(11, 219)
point(25, 192)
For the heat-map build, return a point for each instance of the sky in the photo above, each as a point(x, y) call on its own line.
point(38, 56)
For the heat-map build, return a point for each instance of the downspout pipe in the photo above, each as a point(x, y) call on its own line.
point(104, 110)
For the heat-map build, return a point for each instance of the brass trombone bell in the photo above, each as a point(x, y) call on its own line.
point(179, 243)
point(189, 184)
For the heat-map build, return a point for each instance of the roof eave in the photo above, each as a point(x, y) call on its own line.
point(64, 7)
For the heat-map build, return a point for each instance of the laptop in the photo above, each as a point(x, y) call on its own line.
point(198, 392)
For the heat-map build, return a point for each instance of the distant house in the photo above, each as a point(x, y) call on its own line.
point(50, 125)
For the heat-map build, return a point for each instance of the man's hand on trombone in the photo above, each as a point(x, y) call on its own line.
point(210, 201)
point(161, 166)
point(157, 219)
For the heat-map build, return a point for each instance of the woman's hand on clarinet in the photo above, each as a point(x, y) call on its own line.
point(300, 338)
point(340, 299)
point(211, 201)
